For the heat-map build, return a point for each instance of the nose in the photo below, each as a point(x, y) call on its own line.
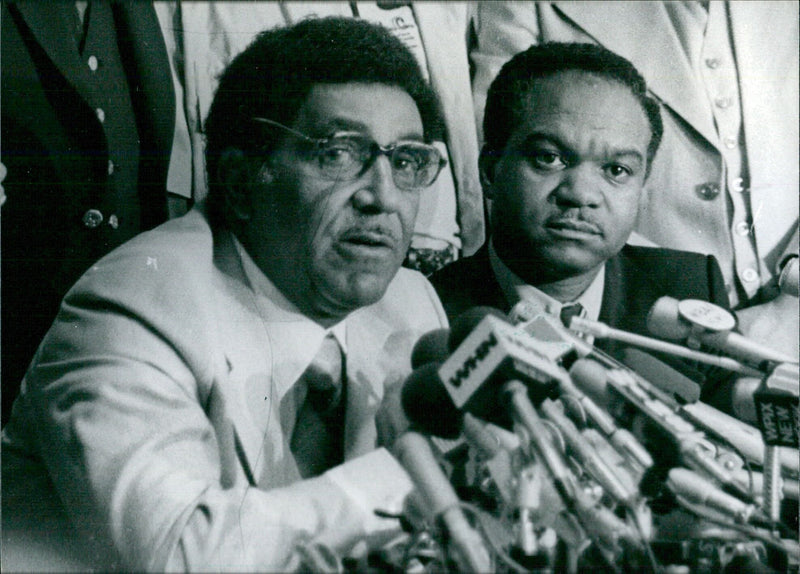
point(378, 192)
point(579, 186)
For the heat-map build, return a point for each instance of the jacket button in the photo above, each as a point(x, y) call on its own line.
point(113, 221)
point(742, 228)
point(749, 275)
point(101, 114)
point(708, 190)
point(92, 218)
point(738, 185)
point(93, 63)
point(723, 102)
point(713, 63)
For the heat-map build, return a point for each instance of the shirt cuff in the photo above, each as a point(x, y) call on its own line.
point(375, 481)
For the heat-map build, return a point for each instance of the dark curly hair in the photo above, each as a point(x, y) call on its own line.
point(274, 75)
point(507, 95)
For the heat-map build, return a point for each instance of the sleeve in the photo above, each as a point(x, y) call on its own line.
point(120, 405)
point(502, 29)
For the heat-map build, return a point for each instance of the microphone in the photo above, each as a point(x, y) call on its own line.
point(475, 381)
point(428, 406)
point(491, 354)
point(465, 323)
point(589, 458)
point(441, 502)
point(545, 328)
point(431, 347)
point(703, 322)
point(603, 331)
point(697, 490)
point(746, 438)
point(593, 520)
point(661, 410)
point(777, 406)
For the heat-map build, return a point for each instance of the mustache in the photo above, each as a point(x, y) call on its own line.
point(371, 233)
point(576, 222)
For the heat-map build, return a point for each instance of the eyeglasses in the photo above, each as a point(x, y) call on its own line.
point(345, 156)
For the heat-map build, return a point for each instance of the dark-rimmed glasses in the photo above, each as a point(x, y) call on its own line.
point(345, 156)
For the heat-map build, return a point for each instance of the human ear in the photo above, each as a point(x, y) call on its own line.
point(237, 175)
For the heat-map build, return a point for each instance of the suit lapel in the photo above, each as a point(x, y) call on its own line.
point(244, 379)
point(623, 30)
point(50, 23)
point(615, 296)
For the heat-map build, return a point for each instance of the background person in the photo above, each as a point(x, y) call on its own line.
point(725, 180)
point(570, 136)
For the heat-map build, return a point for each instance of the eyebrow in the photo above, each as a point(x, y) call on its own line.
point(349, 125)
point(536, 137)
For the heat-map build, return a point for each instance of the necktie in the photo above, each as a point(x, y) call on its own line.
point(570, 311)
point(318, 438)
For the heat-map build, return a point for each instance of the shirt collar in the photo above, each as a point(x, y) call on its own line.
point(516, 290)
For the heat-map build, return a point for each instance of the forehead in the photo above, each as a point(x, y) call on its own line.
point(580, 105)
point(386, 113)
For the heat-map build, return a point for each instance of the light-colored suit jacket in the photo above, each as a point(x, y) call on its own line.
point(149, 417)
point(673, 212)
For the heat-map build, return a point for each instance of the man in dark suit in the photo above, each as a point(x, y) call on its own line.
point(570, 136)
point(88, 115)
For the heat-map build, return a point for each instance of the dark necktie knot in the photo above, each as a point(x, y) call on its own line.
point(570, 311)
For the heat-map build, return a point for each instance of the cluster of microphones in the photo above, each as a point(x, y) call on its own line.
point(531, 450)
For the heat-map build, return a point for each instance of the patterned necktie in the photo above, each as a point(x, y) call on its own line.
point(570, 311)
point(318, 438)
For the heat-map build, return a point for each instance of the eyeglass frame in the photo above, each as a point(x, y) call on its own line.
point(376, 150)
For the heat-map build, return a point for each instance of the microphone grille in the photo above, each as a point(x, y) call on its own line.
point(664, 320)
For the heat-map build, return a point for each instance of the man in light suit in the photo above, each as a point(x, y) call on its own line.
point(570, 137)
point(156, 427)
point(725, 181)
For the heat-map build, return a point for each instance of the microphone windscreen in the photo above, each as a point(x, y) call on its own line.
point(428, 406)
point(431, 347)
point(463, 325)
point(664, 320)
point(591, 378)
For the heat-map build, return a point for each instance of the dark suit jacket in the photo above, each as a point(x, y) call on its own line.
point(635, 278)
point(57, 156)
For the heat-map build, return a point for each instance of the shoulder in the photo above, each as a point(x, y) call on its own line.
point(155, 270)
point(467, 283)
point(463, 273)
point(663, 259)
point(681, 274)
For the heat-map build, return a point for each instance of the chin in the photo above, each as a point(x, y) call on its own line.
point(357, 290)
point(571, 262)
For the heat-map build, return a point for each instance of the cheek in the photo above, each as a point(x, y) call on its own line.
point(407, 213)
point(624, 212)
point(522, 200)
